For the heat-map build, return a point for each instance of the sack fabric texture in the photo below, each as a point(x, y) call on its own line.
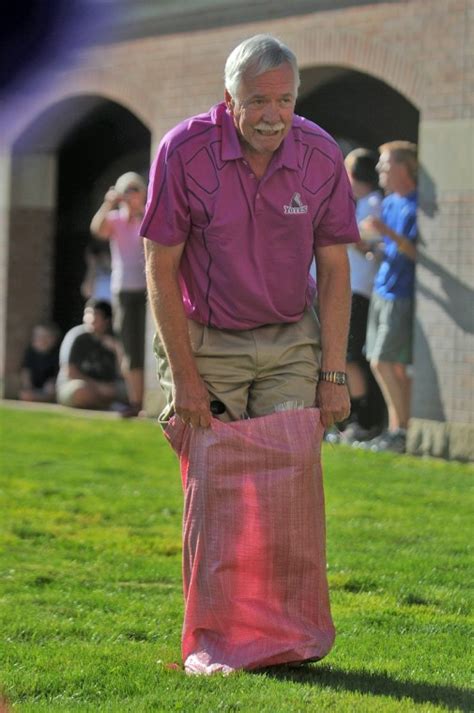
point(254, 564)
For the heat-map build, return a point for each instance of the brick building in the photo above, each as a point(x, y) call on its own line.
point(371, 72)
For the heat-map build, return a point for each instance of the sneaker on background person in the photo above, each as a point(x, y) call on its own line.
point(355, 433)
point(350, 435)
point(394, 441)
point(332, 435)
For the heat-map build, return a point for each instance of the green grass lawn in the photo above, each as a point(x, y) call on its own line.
point(90, 579)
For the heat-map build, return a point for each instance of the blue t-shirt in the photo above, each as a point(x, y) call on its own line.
point(396, 275)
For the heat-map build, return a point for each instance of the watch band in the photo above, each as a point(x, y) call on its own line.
point(334, 377)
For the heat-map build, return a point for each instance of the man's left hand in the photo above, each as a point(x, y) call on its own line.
point(333, 401)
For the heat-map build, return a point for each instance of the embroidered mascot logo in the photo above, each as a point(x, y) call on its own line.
point(296, 206)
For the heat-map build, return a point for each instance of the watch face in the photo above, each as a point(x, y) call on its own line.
point(335, 377)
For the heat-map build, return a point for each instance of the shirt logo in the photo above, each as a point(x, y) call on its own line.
point(296, 206)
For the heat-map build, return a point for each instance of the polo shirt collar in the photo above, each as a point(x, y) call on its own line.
point(287, 155)
point(232, 150)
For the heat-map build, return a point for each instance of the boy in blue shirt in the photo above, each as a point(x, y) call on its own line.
point(390, 321)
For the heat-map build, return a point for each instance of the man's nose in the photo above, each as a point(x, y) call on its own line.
point(271, 113)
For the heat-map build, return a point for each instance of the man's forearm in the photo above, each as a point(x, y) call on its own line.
point(168, 312)
point(190, 395)
point(334, 297)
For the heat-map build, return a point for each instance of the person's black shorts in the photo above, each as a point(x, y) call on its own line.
point(129, 325)
point(357, 328)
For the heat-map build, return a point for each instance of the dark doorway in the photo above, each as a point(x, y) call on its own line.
point(107, 142)
point(356, 108)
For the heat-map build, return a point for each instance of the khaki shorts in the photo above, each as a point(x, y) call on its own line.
point(390, 330)
point(252, 371)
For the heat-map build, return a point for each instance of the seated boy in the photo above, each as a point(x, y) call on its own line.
point(40, 365)
point(89, 375)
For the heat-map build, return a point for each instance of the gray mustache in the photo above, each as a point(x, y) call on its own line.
point(267, 127)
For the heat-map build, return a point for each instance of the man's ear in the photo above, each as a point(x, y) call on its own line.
point(229, 102)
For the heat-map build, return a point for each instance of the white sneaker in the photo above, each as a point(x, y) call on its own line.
point(394, 441)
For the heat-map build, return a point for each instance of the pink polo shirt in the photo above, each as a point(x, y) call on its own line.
point(249, 242)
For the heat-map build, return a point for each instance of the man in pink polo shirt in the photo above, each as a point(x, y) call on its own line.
point(240, 201)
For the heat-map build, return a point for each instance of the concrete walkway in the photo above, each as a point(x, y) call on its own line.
point(57, 408)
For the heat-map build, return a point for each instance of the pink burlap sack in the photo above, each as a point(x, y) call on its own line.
point(254, 565)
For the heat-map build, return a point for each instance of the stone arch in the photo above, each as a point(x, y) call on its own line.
point(364, 54)
point(107, 86)
point(356, 108)
point(63, 157)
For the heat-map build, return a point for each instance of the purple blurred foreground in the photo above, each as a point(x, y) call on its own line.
point(40, 36)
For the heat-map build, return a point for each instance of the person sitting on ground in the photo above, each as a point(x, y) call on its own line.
point(40, 365)
point(118, 220)
point(89, 375)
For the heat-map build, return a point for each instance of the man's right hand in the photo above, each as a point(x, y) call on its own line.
point(190, 396)
point(191, 402)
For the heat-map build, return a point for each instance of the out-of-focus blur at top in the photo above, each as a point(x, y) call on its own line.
point(37, 36)
point(42, 35)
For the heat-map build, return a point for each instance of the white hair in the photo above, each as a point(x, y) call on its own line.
point(257, 55)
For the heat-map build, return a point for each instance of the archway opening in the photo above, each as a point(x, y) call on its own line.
point(107, 143)
point(62, 165)
point(356, 108)
point(93, 141)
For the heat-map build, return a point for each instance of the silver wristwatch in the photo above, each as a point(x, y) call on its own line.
point(335, 377)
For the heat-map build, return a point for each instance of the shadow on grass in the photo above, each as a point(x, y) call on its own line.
point(375, 684)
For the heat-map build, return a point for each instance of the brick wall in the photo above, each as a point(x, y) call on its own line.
point(423, 48)
point(29, 290)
